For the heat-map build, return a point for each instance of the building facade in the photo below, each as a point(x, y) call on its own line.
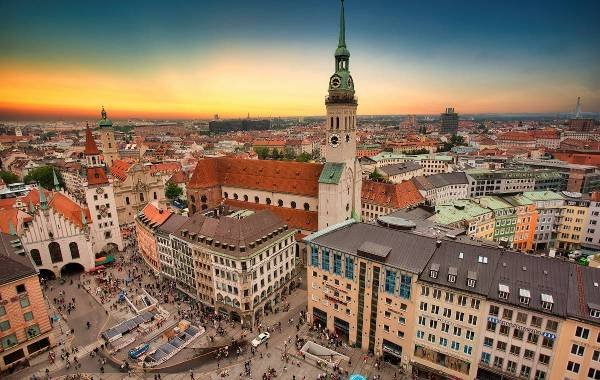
point(147, 222)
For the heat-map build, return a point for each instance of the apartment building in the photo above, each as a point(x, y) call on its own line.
point(24, 322)
point(443, 188)
point(591, 237)
point(146, 222)
point(525, 309)
point(478, 221)
point(495, 182)
point(505, 216)
point(165, 246)
point(430, 163)
point(548, 205)
point(397, 173)
point(578, 354)
point(527, 217)
point(361, 281)
point(450, 316)
point(572, 221)
point(249, 256)
point(380, 198)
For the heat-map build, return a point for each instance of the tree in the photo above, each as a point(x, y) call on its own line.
point(44, 176)
point(376, 176)
point(275, 154)
point(172, 191)
point(9, 177)
point(289, 154)
point(303, 157)
point(262, 152)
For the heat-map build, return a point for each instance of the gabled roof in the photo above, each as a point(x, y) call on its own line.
point(13, 265)
point(584, 292)
point(399, 168)
point(69, 209)
point(275, 176)
point(119, 169)
point(394, 195)
point(153, 214)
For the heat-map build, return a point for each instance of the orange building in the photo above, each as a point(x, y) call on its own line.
point(24, 323)
point(146, 222)
point(525, 224)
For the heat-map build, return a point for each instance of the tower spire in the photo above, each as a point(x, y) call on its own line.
point(342, 42)
point(56, 182)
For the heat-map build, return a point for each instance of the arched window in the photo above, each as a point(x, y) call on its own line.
point(337, 122)
point(280, 203)
point(35, 256)
point(235, 196)
point(74, 250)
point(127, 200)
point(225, 195)
point(55, 253)
point(204, 207)
point(256, 200)
point(203, 199)
point(155, 196)
point(306, 207)
point(268, 201)
point(193, 208)
point(193, 199)
point(245, 198)
point(141, 197)
point(293, 204)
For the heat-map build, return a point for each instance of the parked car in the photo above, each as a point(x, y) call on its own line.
point(260, 339)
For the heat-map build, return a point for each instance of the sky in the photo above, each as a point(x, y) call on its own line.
point(194, 59)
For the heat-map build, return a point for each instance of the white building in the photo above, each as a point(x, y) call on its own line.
point(443, 188)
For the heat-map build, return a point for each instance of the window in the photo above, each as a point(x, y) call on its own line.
point(74, 250)
point(390, 281)
point(24, 301)
point(280, 203)
point(325, 259)
point(306, 207)
point(485, 358)
point(528, 354)
point(55, 253)
point(472, 319)
point(498, 362)
point(28, 316)
point(488, 342)
point(536, 321)
point(9, 341)
point(573, 367)
point(494, 310)
point(522, 318)
point(511, 367)
point(457, 331)
point(141, 197)
point(4, 325)
point(544, 359)
point(577, 350)
point(491, 326)
point(349, 268)
point(468, 350)
point(582, 333)
point(437, 294)
point(507, 314)
point(596, 356)
point(504, 330)
point(443, 342)
point(35, 256)
point(470, 335)
point(20, 288)
point(405, 286)
point(337, 264)
point(314, 257)
point(518, 334)
point(515, 350)
point(2, 310)
point(532, 338)
point(32, 331)
point(547, 342)
point(268, 201)
point(525, 371)
point(455, 345)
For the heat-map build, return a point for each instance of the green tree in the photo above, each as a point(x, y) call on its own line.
point(303, 157)
point(275, 154)
point(262, 152)
point(44, 177)
point(376, 176)
point(9, 177)
point(172, 191)
point(289, 154)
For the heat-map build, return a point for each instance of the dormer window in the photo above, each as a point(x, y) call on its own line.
point(594, 310)
point(524, 296)
point(471, 279)
point(503, 291)
point(434, 270)
point(547, 301)
point(452, 272)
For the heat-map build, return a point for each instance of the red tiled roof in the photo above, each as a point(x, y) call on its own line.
point(119, 169)
point(516, 136)
point(91, 149)
point(179, 177)
point(7, 203)
point(394, 195)
point(546, 134)
point(580, 144)
point(34, 197)
point(96, 176)
point(304, 220)
point(156, 215)
point(165, 167)
point(276, 176)
point(8, 216)
point(69, 209)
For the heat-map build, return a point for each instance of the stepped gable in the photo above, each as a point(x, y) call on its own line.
point(69, 209)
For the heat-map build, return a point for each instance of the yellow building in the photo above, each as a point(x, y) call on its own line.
point(571, 222)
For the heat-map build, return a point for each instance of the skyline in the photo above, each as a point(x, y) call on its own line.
point(270, 59)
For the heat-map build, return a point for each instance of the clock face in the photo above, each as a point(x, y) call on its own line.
point(347, 137)
point(334, 140)
point(336, 82)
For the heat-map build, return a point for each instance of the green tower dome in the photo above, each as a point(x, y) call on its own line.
point(104, 122)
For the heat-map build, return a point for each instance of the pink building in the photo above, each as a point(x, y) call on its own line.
point(146, 222)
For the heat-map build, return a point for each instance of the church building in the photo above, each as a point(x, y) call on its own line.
point(307, 196)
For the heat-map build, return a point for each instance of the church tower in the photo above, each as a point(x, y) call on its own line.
point(100, 198)
point(340, 182)
point(110, 150)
